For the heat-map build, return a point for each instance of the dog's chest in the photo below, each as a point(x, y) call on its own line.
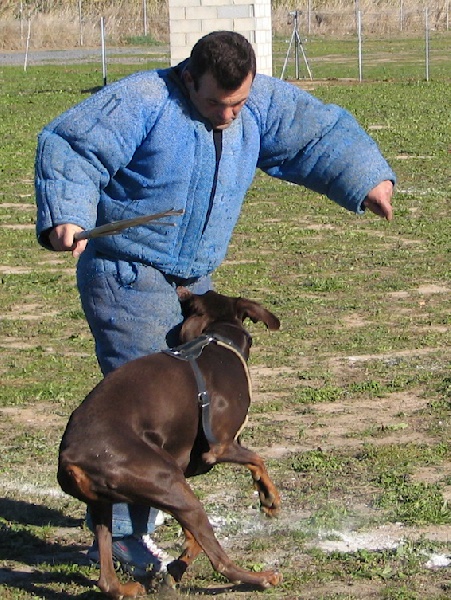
point(191, 352)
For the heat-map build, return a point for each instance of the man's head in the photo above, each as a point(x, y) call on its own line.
point(219, 76)
point(227, 55)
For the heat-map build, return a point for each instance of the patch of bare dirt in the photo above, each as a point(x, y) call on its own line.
point(14, 343)
point(28, 312)
point(17, 270)
point(18, 226)
point(8, 270)
point(346, 424)
point(41, 415)
point(19, 205)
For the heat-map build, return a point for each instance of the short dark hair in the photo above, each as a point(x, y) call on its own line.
point(227, 55)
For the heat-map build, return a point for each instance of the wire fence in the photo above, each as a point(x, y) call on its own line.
point(382, 22)
point(417, 47)
point(399, 44)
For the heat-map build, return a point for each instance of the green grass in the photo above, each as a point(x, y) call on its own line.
point(354, 388)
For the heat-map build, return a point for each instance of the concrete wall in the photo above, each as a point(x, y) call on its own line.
point(189, 20)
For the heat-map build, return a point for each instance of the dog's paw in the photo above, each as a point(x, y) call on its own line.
point(131, 589)
point(210, 457)
point(275, 578)
point(270, 579)
point(270, 511)
point(269, 503)
point(175, 571)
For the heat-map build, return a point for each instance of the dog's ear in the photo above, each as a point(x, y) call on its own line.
point(193, 327)
point(256, 312)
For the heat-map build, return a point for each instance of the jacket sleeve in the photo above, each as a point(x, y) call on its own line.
point(81, 150)
point(319, 146)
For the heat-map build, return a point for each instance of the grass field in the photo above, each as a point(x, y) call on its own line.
point(352, 397)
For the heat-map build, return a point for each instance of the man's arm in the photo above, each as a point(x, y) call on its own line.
point(320, 146)
point(79, 152)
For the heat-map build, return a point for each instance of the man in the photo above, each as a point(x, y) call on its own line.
point(189, 138)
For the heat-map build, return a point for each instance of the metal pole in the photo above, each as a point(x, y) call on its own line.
point(309, 17)
point(359, 33)
point(80, 21)
point(426, 35)
point(145, 16)
point(27, 48)
point(21, 21)
point(357, 10)
point(102, 35)
point(296, 45)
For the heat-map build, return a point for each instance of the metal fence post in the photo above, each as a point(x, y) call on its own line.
point(426, 35)
point(102, 36)
point(80, 21)
point(27, 47)
point(145, 16)
point(359, 35)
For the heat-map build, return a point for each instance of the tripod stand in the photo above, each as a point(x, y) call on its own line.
point(298, 48)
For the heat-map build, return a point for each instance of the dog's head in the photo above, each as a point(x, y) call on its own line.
point(201, 311)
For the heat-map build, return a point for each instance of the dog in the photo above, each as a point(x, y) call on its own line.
point(165, 417)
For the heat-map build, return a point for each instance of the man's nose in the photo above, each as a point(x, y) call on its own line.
point(227, 113)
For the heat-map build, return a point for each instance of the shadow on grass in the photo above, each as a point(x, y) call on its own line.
point(50, 570)
point(92, 90)
point(26, 513)
point(33, 554)
point(39, 584)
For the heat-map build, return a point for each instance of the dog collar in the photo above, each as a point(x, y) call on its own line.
point(194, 348)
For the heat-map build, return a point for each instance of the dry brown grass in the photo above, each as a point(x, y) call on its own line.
point(338, 17)
point(56, 24)
point(59, 25)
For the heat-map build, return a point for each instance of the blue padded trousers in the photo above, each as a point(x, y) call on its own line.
point(132, 310)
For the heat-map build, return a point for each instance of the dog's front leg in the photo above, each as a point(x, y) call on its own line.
point(267, 491)
point(177, 568)
point(235, 453)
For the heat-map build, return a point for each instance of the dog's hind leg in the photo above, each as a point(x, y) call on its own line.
point(169, 491)
point(235, 453)
point(101, 514)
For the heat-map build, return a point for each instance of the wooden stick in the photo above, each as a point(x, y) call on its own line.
point(117, 226)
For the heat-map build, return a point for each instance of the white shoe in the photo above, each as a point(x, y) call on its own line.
point(159, 519)
point(161, 555)
point(134, 555)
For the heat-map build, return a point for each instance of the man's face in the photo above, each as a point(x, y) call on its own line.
point(220, 107)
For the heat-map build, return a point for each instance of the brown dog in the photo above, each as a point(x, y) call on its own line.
point(164, 417)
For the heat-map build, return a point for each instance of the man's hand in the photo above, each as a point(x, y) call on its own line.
point(379, 200)
point(62, 239)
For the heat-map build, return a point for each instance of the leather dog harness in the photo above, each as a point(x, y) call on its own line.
point(190, 352)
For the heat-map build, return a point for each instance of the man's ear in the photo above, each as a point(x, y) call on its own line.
point(187, 77)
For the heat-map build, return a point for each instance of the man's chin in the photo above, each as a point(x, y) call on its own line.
point(222, 126)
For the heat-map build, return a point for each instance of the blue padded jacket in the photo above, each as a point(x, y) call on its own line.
point(139, 146)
